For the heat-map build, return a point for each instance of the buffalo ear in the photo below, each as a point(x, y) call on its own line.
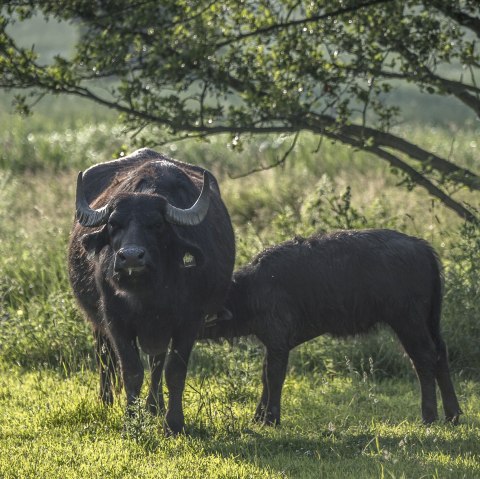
point(188, 254)
point(94, 242)
point(191, 257)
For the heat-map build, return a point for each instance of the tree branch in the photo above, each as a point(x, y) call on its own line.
point(300, 21)
point(457, 89)
point(361, 134)
point(279, 162)
point(450, 86)
point(413, 174)
point(381, 138)
point(460, 17)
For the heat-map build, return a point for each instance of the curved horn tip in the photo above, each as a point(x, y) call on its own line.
point(79, 178)
point(196, 213)
point(79, 190)
point(85, 215)
point(206, 179)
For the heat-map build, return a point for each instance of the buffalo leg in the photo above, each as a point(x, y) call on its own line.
point(175, 374)
point(132, 368)
point(106, 361)
point(444, 380)
point(155, 402)
point(273, 376)
point(421, 349)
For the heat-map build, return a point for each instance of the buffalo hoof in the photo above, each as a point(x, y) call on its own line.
point(173, 424)
point(454, 418)
point(267, 418)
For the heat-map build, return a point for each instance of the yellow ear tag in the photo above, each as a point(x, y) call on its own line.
point(189, 260)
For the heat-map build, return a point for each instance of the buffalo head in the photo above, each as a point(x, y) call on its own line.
point(138, 228)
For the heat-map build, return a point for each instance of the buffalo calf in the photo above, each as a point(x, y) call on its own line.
point(342, 284)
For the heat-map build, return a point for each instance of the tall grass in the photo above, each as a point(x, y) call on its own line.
point(39, 324)
point(332, 188)
point(28, 149)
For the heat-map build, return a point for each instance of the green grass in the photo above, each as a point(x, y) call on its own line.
point(52, 426)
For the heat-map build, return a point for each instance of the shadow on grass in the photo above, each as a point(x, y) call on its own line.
point(331, 430)
point(420, 453)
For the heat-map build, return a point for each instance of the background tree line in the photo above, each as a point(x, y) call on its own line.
point(181, 69)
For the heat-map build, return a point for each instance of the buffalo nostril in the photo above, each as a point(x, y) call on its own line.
point(130, 258)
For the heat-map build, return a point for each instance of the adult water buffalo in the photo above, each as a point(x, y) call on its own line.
point(148, 261)
point(342, 284)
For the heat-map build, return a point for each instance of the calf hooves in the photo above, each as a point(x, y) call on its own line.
point(170, 431)
point(427, 421)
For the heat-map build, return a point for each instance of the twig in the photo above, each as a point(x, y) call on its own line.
point(279, 162)
point(300, 21)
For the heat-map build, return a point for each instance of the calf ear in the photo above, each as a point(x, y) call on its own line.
point(94, 242)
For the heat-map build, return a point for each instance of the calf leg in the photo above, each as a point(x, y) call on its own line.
point(421, 349)
point(449, 398)
point(155, 402)
point(273, 376)
point(175, 374)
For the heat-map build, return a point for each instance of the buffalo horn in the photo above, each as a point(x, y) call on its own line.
point(88, 216)
point(196, 213)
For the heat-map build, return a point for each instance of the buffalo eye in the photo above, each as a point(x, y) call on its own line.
point(155, 225)
point(113, 226)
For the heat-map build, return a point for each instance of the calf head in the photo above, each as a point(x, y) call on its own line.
point(139, 228)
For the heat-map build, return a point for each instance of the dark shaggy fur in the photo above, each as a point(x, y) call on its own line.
point(342, 284)
point(167, 301)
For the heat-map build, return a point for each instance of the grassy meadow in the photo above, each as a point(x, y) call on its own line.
point(351, 408)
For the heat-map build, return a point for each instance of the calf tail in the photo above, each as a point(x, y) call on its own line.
point(436, 302)
point(442, 371)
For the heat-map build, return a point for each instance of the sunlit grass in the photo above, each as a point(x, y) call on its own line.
point(54, 426)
